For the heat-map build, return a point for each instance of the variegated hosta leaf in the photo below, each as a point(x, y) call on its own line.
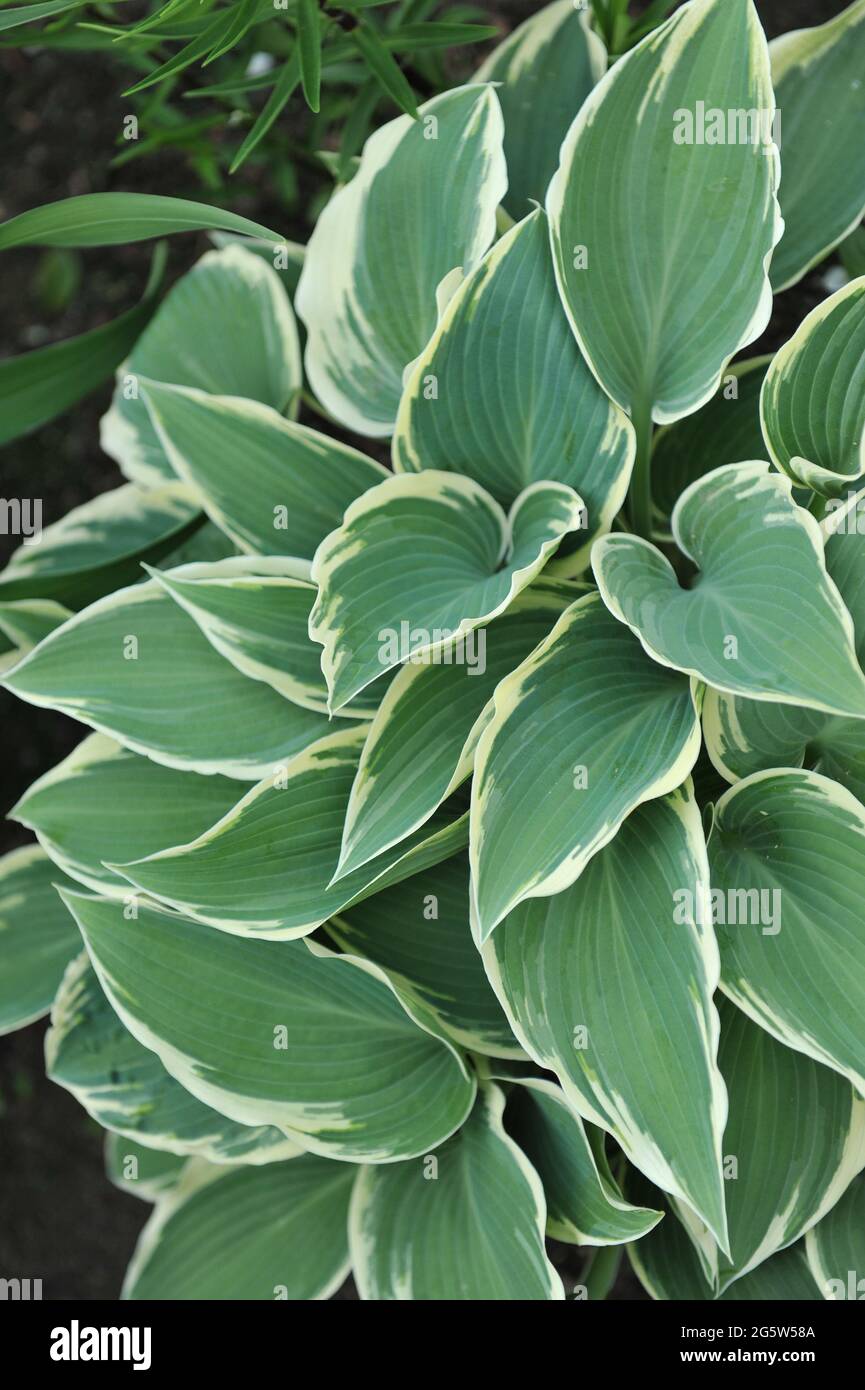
point(745, 736)
point(144, 1173)
point(485, 396)
point(609, 984)
point(422, 204)
point(464, 1223)
point(377, 606)
point(763, 619)
point(250, 1233)
point(104, 803)
point(226, 327)
point(418, 931)
point(727, 430)
point(795, 1138)
point(813, 401)
point(266, 868)
point(584, 1205)
point(24, 622)
point(37, 936)
point(98, 547)
point(125, 1087)
point(422, 740)
point(585, 730)
point(836, 1248)
point(817, 75)
point(668, 1266)
point(134, 666)
point(296, 485)
point(659, 300)
point(787, 851)
point(546, 68)
point(272, 1034)
point(255, 611)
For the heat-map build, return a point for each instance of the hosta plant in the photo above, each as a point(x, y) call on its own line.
point(468, 846)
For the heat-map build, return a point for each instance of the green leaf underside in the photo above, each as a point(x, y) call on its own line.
point(657, 327)
point(176, 700)
point(252, 1233)
point(266, 868)
point(378, 604)
point(763, 619)
point(105, 803)
point(421, 204)
point(227, 327)
point(745, 736)
point(836, 1248)
point(546, 68)
point(418, 932)
point(726, 430)
point(584, 731)
point(297, 482)
point(792, 842)
point(99, 546)
point(125, 1087)
point(569, 968)
point(583, 1203)
point(817, 75)
point(422, 739)
point(144, 1173)
point(37, 936)
point(474, 1231)
point(502, 360)
point(813, 401)
point(270, 1033)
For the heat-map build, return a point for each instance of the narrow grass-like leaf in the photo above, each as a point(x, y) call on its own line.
point(113, 219)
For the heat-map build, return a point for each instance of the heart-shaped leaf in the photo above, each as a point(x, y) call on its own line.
point(763, 619)
point(377, 607)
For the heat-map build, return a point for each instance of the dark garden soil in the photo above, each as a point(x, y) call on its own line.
point(60, 1220)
